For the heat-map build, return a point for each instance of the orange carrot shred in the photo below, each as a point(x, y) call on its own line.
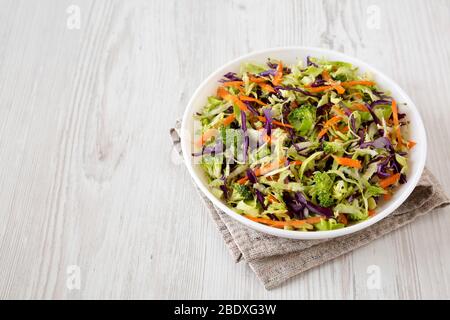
point(278, 123)
point(257, 80)
point(272, 199)
point(348, 162)
point(342, 218)
point(386, 182)
point(233, 83)
point(228, 119)
point(371, 213)
point(319, 89)
point(328, 124)
point(265, 169)
point(208, 134)
point(326, 76)
point(296, 162)
point(398, 134)
point(357, 82)
point(266, 87)
point(359, 106)
point(338, 110)
point(387, 196)
point(224, 94)
point(278, 75)
point(247, 98)
point(281, 124)
point(411, 144)
point(282, 224)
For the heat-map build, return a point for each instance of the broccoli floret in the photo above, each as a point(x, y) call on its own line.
point(332, 147)
point(303, 119)
point(323, 181)
point(241, 192)
point(322, 189)
point(325, 199)
point(341, 190)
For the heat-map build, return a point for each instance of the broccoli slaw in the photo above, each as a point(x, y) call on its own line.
point(306, 147)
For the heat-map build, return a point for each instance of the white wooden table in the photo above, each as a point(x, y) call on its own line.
point(88, 181)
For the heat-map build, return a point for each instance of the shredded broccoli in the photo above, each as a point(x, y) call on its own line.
point(322, 189)
point(332, 147)
point(341, 190)
point(303, 118)
point(241, 192)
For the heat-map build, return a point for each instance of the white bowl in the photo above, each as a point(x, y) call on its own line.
point(290, 55)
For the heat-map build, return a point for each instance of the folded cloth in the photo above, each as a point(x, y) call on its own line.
point(275, 260)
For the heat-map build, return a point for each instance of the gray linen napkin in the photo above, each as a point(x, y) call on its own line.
point(275, 260)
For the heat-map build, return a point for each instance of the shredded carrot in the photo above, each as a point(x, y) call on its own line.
point(337, 87)
point(296, 162)
point(371, 213)
point(342, 218)
point(208, 134)
point(224, 94)
point(270, 167)
point(343, 129)
point(348, 162)
point(354, 83)
point(389, 180)
point(319, 89)
point(262, 83)
point(272, 199)
point(278, 75)
point(282, 224)
point(278, 123)
point(326, 76)
point(228, 119)
point(387, 196)
point(266, 87)
point(265, 169)
point(313, 220)
point(359, 106)
point(411, 144)
point(332, 121)
point(242, 180)
point(328, 124)
point(247, 98)
point(322, 133)
point(398, 134)
point(281, 124)
point(233, 83)
point(340, 89)
point(257, 80)
point(338, 110)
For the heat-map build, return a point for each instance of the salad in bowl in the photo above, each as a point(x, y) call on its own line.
point(315, 145)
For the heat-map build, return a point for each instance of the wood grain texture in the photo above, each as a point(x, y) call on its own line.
point(88, 176)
